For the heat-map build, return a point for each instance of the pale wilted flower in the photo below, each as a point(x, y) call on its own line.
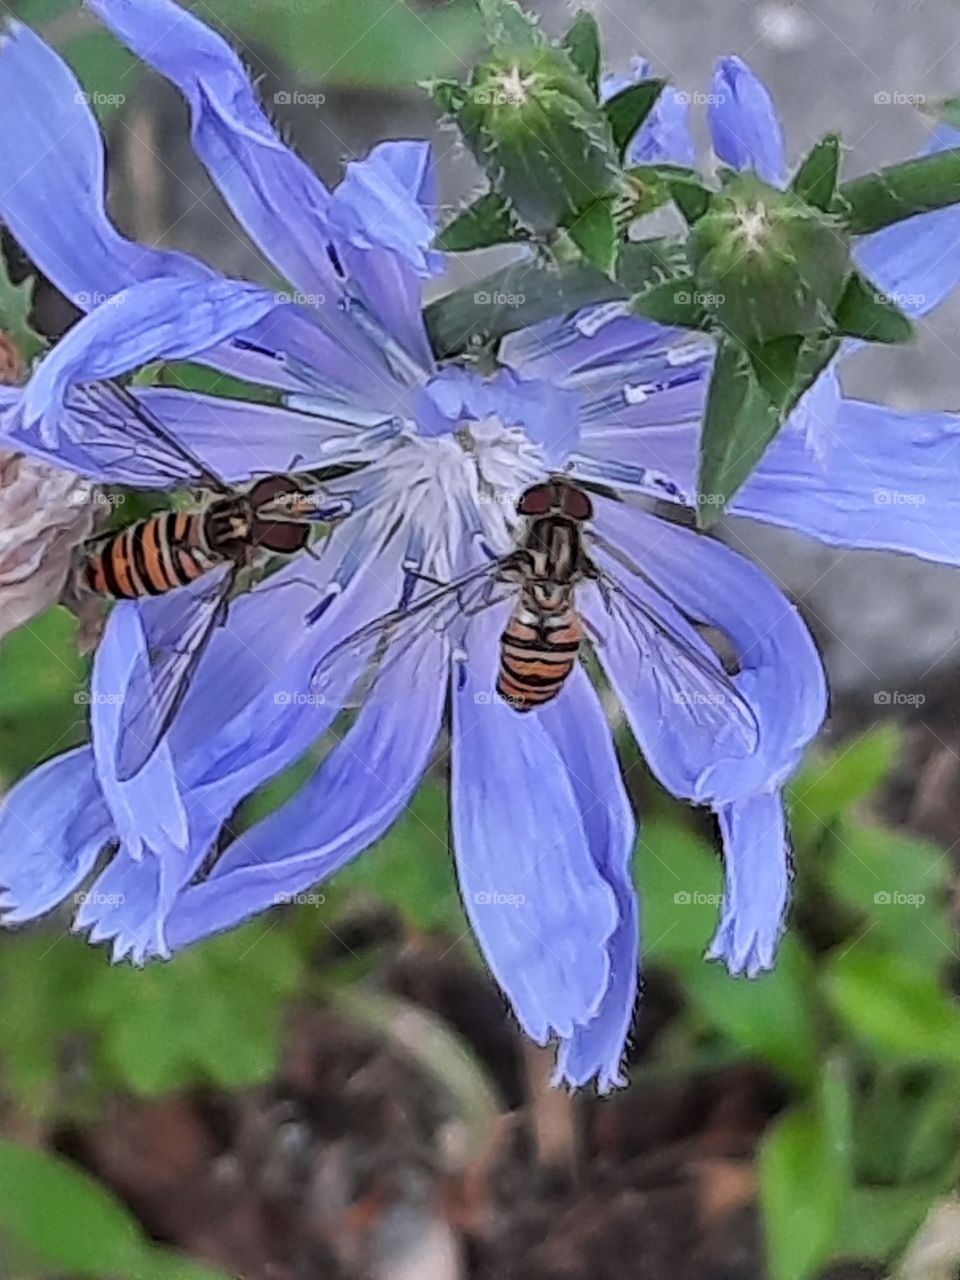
point(44, 514)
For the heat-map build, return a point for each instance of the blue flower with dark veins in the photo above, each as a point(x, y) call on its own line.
point(599, 407)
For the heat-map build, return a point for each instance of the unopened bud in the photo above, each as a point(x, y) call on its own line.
point(776, 266)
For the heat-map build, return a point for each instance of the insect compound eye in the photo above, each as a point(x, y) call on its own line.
point(276, 489)
point(576, 504)
point(537, 500)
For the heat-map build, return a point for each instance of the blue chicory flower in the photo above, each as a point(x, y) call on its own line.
point(540, 814)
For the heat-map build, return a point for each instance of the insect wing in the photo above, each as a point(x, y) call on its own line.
point(690, 682)
point(350, 673)
point(120, 431)
point(186, 620)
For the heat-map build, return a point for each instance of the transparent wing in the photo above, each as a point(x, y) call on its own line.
point(187, 618)
point(121, 430)
point(350, 673)
point(689, 682)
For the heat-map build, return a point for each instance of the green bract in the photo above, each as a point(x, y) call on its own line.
point(767, 264)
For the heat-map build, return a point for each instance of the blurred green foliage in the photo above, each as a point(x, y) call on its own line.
point(858, 1019)
point(56, 1220)
point(373, 42)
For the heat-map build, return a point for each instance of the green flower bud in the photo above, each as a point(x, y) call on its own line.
point(770, 265)
point(532, 122)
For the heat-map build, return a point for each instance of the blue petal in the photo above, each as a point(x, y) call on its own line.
point(275, 196)
point(358, 791)
point(756, 883)
point(149, 812)
point(543, 911)
point(581, 733)
point(780, 675)
point(383, 222)
point(130, 900)
point(52, 180)
point(547, 413)
point(52, 198)
point(885, 481)
point(246, 717)
point(917, 262)
point(237, 440)
point(161, 318)
point(744, 123)
point(53, 825)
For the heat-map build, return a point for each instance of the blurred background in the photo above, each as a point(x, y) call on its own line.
point(337, 1091)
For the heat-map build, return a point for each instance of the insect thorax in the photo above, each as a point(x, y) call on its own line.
point(226, 526)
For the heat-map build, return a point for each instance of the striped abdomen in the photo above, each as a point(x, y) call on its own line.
point(537, 653)
point(151, 557)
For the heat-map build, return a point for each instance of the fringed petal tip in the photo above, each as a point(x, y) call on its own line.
point(605, 1077)
point(138, 941)
point(742, 957)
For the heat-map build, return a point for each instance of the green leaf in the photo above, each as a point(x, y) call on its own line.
point(829, 785)
point(917, 186)
point(673, 302)
point(738, 425)
point(15, 313)
point(805, 1174)
point(43, 701)
point(213, 1014)
point(865, 311)
point(489, 220)
point(382, 43)
point(525, 294)
point(816, 179)
point(95, 1236)
point(508, 25)
point(43, 979)
point(201, 378)
point(893, 1006)
point(752, 393)
point(679, 878)
point(687, 191)
point(879, 1221)
point(898, 886)
point(582, 43)
point(628, 109)
point(771, 1017)
point(594, 232)
point(947, 110)
point(787, 367)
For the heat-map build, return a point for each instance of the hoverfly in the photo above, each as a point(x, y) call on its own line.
point(201, 551)
point(544, 633)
